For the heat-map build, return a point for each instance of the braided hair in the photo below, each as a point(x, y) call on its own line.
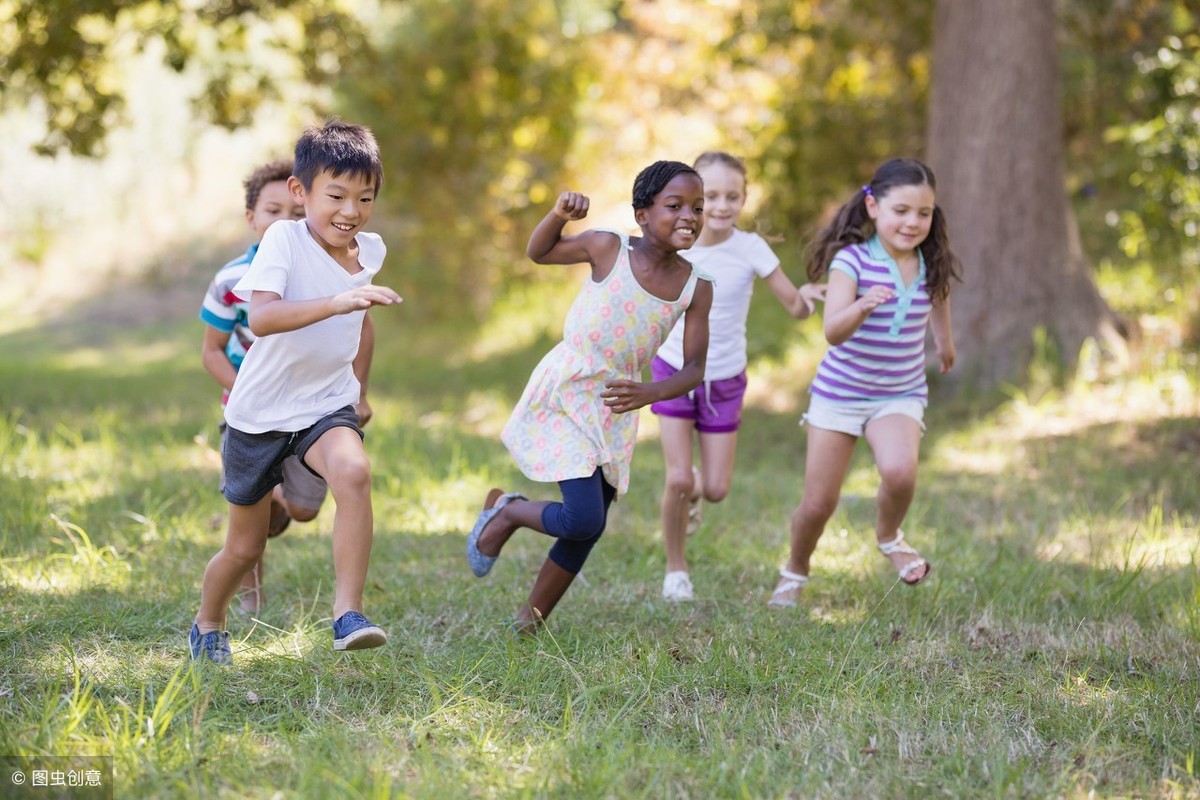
point(279, 170)
point(654, 178)
point(853, 225)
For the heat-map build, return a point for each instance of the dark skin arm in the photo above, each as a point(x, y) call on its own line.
point(547, 245)
point(622, 396)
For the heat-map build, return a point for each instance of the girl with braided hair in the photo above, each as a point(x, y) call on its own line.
point(576, 422)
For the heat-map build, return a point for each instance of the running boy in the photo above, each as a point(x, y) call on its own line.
point(309, 287)
point(227, 337)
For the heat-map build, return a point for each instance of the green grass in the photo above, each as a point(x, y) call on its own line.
point(1054, 653)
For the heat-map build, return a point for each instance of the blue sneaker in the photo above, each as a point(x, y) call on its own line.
point(353, 631)
point(213, 646)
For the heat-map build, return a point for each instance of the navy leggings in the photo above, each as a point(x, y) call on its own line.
point(578, 520)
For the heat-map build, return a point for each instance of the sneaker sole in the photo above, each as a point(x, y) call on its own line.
point(362, 640)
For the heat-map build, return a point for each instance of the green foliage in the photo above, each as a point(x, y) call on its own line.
point(1133, 131)
point(853, 78)
point(65, 55)
point(473, 104)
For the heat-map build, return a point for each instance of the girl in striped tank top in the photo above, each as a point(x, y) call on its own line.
point(889, 265)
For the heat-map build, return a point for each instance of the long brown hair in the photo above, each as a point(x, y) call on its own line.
point(853, 225)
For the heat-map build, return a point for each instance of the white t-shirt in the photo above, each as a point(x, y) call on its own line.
point(290, 380)
point(733, 265)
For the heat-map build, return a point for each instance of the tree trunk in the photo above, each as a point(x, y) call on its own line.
point(996, 146)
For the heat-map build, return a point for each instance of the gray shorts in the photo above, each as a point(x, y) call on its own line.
point(302, 487)
point(254, 463)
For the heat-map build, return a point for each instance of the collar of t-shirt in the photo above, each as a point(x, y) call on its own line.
point(904, 294)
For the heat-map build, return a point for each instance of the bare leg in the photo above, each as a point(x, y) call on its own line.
point(251, 597)
point(244, 543)
point(339, 458)
point(676, 436)
point(825, 466)
point(717, 451)
point(896, 441)
point(551, 584)
point(500, 528)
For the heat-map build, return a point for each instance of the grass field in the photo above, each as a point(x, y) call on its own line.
point(1054, 653)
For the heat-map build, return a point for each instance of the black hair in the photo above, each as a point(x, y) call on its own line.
point(654, 178)
point(852, 225)
point(339, 148)
point(279, 170)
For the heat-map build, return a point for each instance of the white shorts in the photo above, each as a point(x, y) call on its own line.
point(853, 418)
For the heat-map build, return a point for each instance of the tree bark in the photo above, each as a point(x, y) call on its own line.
point(996, 146)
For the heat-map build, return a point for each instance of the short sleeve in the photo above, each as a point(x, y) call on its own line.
point(268, 271)
point(845, 261)
point(760, 256)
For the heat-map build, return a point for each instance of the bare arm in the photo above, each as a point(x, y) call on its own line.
point(801, 302)
point(844, 311)
point(622, 396)
point(214, 358)
point(362, 368)
point(271, 314)
point(943, 335)
point(547, 245)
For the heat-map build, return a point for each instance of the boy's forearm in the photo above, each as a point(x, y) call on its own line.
point(366, 352)
point(217, 364)
point(281, 316)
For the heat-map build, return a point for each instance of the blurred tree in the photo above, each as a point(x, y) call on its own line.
point(853, 82)
point(996, 144)
point(62, 54)
point(473, 103)
point(1133, 129)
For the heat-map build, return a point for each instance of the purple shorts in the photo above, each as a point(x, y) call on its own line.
point(716, 406)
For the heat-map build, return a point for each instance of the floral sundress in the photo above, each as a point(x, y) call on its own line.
point(561, 428)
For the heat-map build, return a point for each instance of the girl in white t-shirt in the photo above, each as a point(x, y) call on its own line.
point(734, 258)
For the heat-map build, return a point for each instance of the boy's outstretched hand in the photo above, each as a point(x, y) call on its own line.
point(572, 205)
point(364, 297)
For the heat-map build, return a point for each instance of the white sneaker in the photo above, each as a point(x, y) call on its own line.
point(677, 587)
point(696, 504)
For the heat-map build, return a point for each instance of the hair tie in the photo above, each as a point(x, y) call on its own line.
point(866, 188)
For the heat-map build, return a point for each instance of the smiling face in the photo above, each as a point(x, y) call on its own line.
point(724, 197)
point(275, 202)
point(902, 217)
point(336, 207)
point(676, 217)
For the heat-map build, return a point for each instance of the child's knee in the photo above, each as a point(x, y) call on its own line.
point(715, 494)
point(898, 477)
point(246, 550)
point(680, 482)
point(584, 524)
point(817, 509)
point(349, 474)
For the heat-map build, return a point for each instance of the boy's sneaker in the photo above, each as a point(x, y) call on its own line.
point(677, 587)
point(213, 646)
point(353, 631)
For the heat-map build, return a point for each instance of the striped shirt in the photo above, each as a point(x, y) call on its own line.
point(885, 358)
point(228, 313)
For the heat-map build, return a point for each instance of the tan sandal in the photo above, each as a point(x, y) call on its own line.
point(787, 591)
point(897, 546)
